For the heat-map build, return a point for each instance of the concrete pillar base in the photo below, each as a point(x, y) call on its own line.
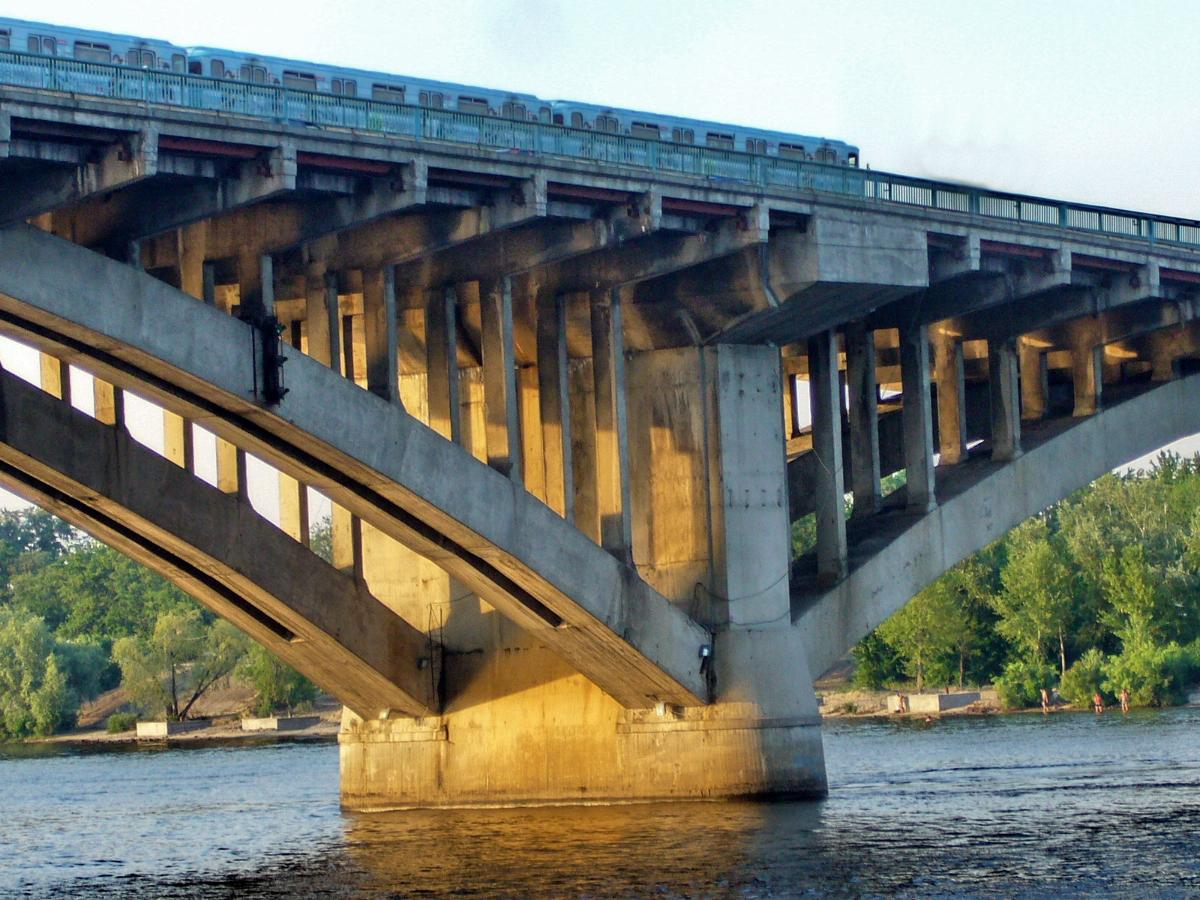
point(557, 739)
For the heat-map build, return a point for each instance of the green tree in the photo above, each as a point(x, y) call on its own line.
point(36, 696)
point(1036, 602)
point(277, 684)
point(182, 658)
point(877, 663)
point(97, 594)
point(925, 631)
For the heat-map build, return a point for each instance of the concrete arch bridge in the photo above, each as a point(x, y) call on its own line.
point(565, 410)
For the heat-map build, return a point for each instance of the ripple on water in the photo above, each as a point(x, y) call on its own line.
point(1020, 805)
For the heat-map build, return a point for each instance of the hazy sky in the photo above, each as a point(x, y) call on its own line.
point(1089, 101)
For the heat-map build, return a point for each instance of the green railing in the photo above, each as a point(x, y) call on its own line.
point(535, 138)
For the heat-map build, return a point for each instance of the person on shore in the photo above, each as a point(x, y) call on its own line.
point(1098, 702)
point(1124, 699)
point(1045, 702)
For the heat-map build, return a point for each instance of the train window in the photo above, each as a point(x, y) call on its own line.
point(195, 67)
point(608, 123)
point(512, 110)
point(300, 81)
point(645, 130)
point(216, 69)
point(43, 45)
point(756, 145)
point(795, 151)
point(852, 160)
point(577, 120)
point(683, 135)
point(477, 105)
point(432, 99)
point(719, 140)
point(178, 62)
point(255, 74)
point(4, 36)
point(345, 87)
point(389, 93)
point(544, 115)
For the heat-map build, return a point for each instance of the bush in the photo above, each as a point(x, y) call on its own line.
point(1154, 675)
point(122, 721)
point(1021, 684)
point(1084, 679)
point(877, 663)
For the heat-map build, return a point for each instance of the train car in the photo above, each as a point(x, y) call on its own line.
point(703, 133)
point(91, 46)
point(361, 83)
point(401, 91)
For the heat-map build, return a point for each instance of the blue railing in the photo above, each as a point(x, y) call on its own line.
point(511, 136)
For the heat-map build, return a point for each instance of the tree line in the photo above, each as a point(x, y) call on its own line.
point(78, 618)
point(1099, 593)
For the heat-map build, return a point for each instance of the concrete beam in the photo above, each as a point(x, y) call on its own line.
point(612, 425)
point(215, 547)
point(500, 399)
point(863, 419)
point(43, 190)
point(1005, 394)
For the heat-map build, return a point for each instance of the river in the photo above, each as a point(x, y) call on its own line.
point(1020, 805)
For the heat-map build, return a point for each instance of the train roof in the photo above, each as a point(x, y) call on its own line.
point(86, 32)
point(304, 65)
point(724, 127)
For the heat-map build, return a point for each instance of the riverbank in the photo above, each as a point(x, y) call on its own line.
point(861, 704)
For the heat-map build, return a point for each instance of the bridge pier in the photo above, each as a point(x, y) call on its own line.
point(710, 531)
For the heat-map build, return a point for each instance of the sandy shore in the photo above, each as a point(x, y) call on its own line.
point(221, 730)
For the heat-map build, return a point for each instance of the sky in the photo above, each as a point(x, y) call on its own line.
point(1082, 101)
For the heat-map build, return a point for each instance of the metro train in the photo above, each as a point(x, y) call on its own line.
point(209, 62)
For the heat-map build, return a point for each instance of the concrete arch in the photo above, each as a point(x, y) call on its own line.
point(367, 455)
point(980, 501)
point(216, 547)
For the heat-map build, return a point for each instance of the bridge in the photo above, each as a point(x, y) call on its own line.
point(552, 383)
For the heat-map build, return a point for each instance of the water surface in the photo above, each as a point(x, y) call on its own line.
point(1016, 805)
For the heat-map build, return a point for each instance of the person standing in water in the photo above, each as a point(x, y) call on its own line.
point(1124, 699)
point(1045, 702)
point(1098, 702)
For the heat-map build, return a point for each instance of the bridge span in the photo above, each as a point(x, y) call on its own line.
point(552, 385)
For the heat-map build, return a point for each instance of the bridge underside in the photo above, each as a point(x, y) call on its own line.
point(557, 409)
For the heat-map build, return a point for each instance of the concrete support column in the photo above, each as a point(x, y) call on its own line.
point(554, 402)
point(581, 409)
point(1004, 393)
point(380, 332)
point(917, 417)
point(612, 425)
point(441, 356)
point(55, 377)
point(347, 539)
point(191, 247)
point(1087, 364)
point(109, 403)
point(534, 731)
point(754, 549)
point(824, 388)
point(951, 392)
point(1035, 389)
point(231, 468)
point(178, 445)
point(864, 419)
point(500, 378)
point(256, 286)
point(293, 508)
point(1164, 349)
point(320, 327)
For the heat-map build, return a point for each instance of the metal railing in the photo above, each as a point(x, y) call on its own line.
point(535, 138)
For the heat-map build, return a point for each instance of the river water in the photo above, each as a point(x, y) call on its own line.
point(1015, 805)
